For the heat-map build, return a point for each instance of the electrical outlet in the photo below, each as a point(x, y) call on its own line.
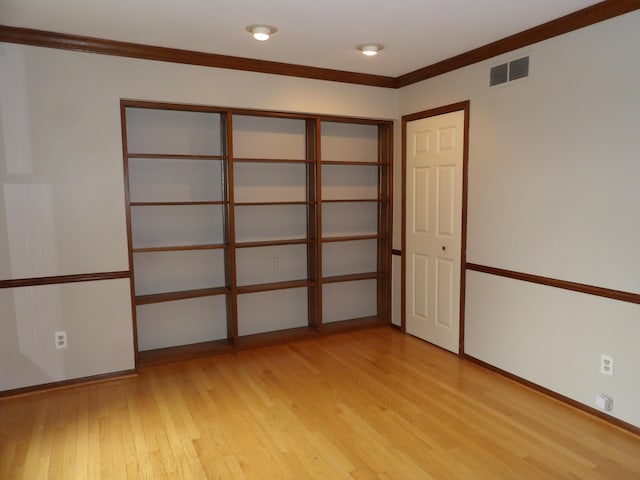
point(275, 264)
point(606, 364)
point(61, 339)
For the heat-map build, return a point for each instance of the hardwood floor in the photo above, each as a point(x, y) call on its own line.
point(367, 404)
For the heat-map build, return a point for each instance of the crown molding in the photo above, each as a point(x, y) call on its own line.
point(582, 18)
point(77, 43)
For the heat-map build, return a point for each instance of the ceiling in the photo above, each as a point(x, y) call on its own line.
point(415, 33)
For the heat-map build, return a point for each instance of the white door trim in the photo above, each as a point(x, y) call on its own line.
point(464, 106)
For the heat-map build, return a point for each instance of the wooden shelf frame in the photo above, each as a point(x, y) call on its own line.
point(182, 295)
point(272, 160)
point(268, 287)
point(176, 248)
point(273, 203)
point(313, 241)
point(353, 163)
point(174, 204)
point(175, 156)
point(352, 277)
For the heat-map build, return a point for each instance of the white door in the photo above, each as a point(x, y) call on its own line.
point(434, 169)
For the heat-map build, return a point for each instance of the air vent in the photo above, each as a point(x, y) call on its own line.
point(499, 74)
point(519, 68)
point(507, 72)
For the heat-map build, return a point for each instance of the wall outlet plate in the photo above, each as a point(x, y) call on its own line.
point(61, 339)
point(606, 364)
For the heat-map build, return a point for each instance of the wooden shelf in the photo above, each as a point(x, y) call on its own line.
point(175, 248)
point(260, 204)
point(350, 238)
point(351, 200)
point(352, 324)
point(182, 295)
point(183, 352)
point(165, 204)
point(273, 243)
point(175, 156)
point(352, 277)
point(339, 162)
point(270, 160)
point(266, 287)
point(278, 157)
point(277, 336)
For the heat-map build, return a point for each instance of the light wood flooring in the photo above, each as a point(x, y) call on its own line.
point(372, 404)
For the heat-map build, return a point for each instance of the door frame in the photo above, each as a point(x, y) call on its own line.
point(454, 107)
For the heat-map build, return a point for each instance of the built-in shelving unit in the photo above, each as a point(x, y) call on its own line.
point(249, 227)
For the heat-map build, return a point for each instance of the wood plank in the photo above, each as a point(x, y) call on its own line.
point(275, 337)
point(175, 156)
point(210, 246)
point(182, 295)
point(352, 277)
point(182, 352)
point(271, 243)
point(265, 287)
point(350, 200)
point(165, 204)
point(351, 324)
point(366, 404)
point(348, 162)
point(350, 238)
point(258, 204)
point(271, 160)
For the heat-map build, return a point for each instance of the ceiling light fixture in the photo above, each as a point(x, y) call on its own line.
point(370, 49)
point(261, 32)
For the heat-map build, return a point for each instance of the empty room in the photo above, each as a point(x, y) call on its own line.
point(362, 240)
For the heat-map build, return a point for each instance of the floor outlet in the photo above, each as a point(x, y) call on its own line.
point(61, 339)
point(606, 364)
point(604, 403)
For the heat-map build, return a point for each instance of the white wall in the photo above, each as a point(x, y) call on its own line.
point(61, 173)
point(554, 171)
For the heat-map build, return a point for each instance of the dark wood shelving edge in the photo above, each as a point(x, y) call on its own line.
point(275, 337)
point(260, 204)
point(353, 324)
point(157, 356)
point(175, 156)
point(173, 204)
point(347, 162)
point(267, 287)
point(351, 238)
point(177, 248)
point(352, 277)
point(182, 295)
point(351, 200)
point(271, 160)
point(274, 243)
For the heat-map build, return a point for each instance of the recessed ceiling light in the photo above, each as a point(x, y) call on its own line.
point(370, 49)
point(261, 32)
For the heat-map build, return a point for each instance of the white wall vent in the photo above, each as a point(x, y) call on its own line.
point(507, 72)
